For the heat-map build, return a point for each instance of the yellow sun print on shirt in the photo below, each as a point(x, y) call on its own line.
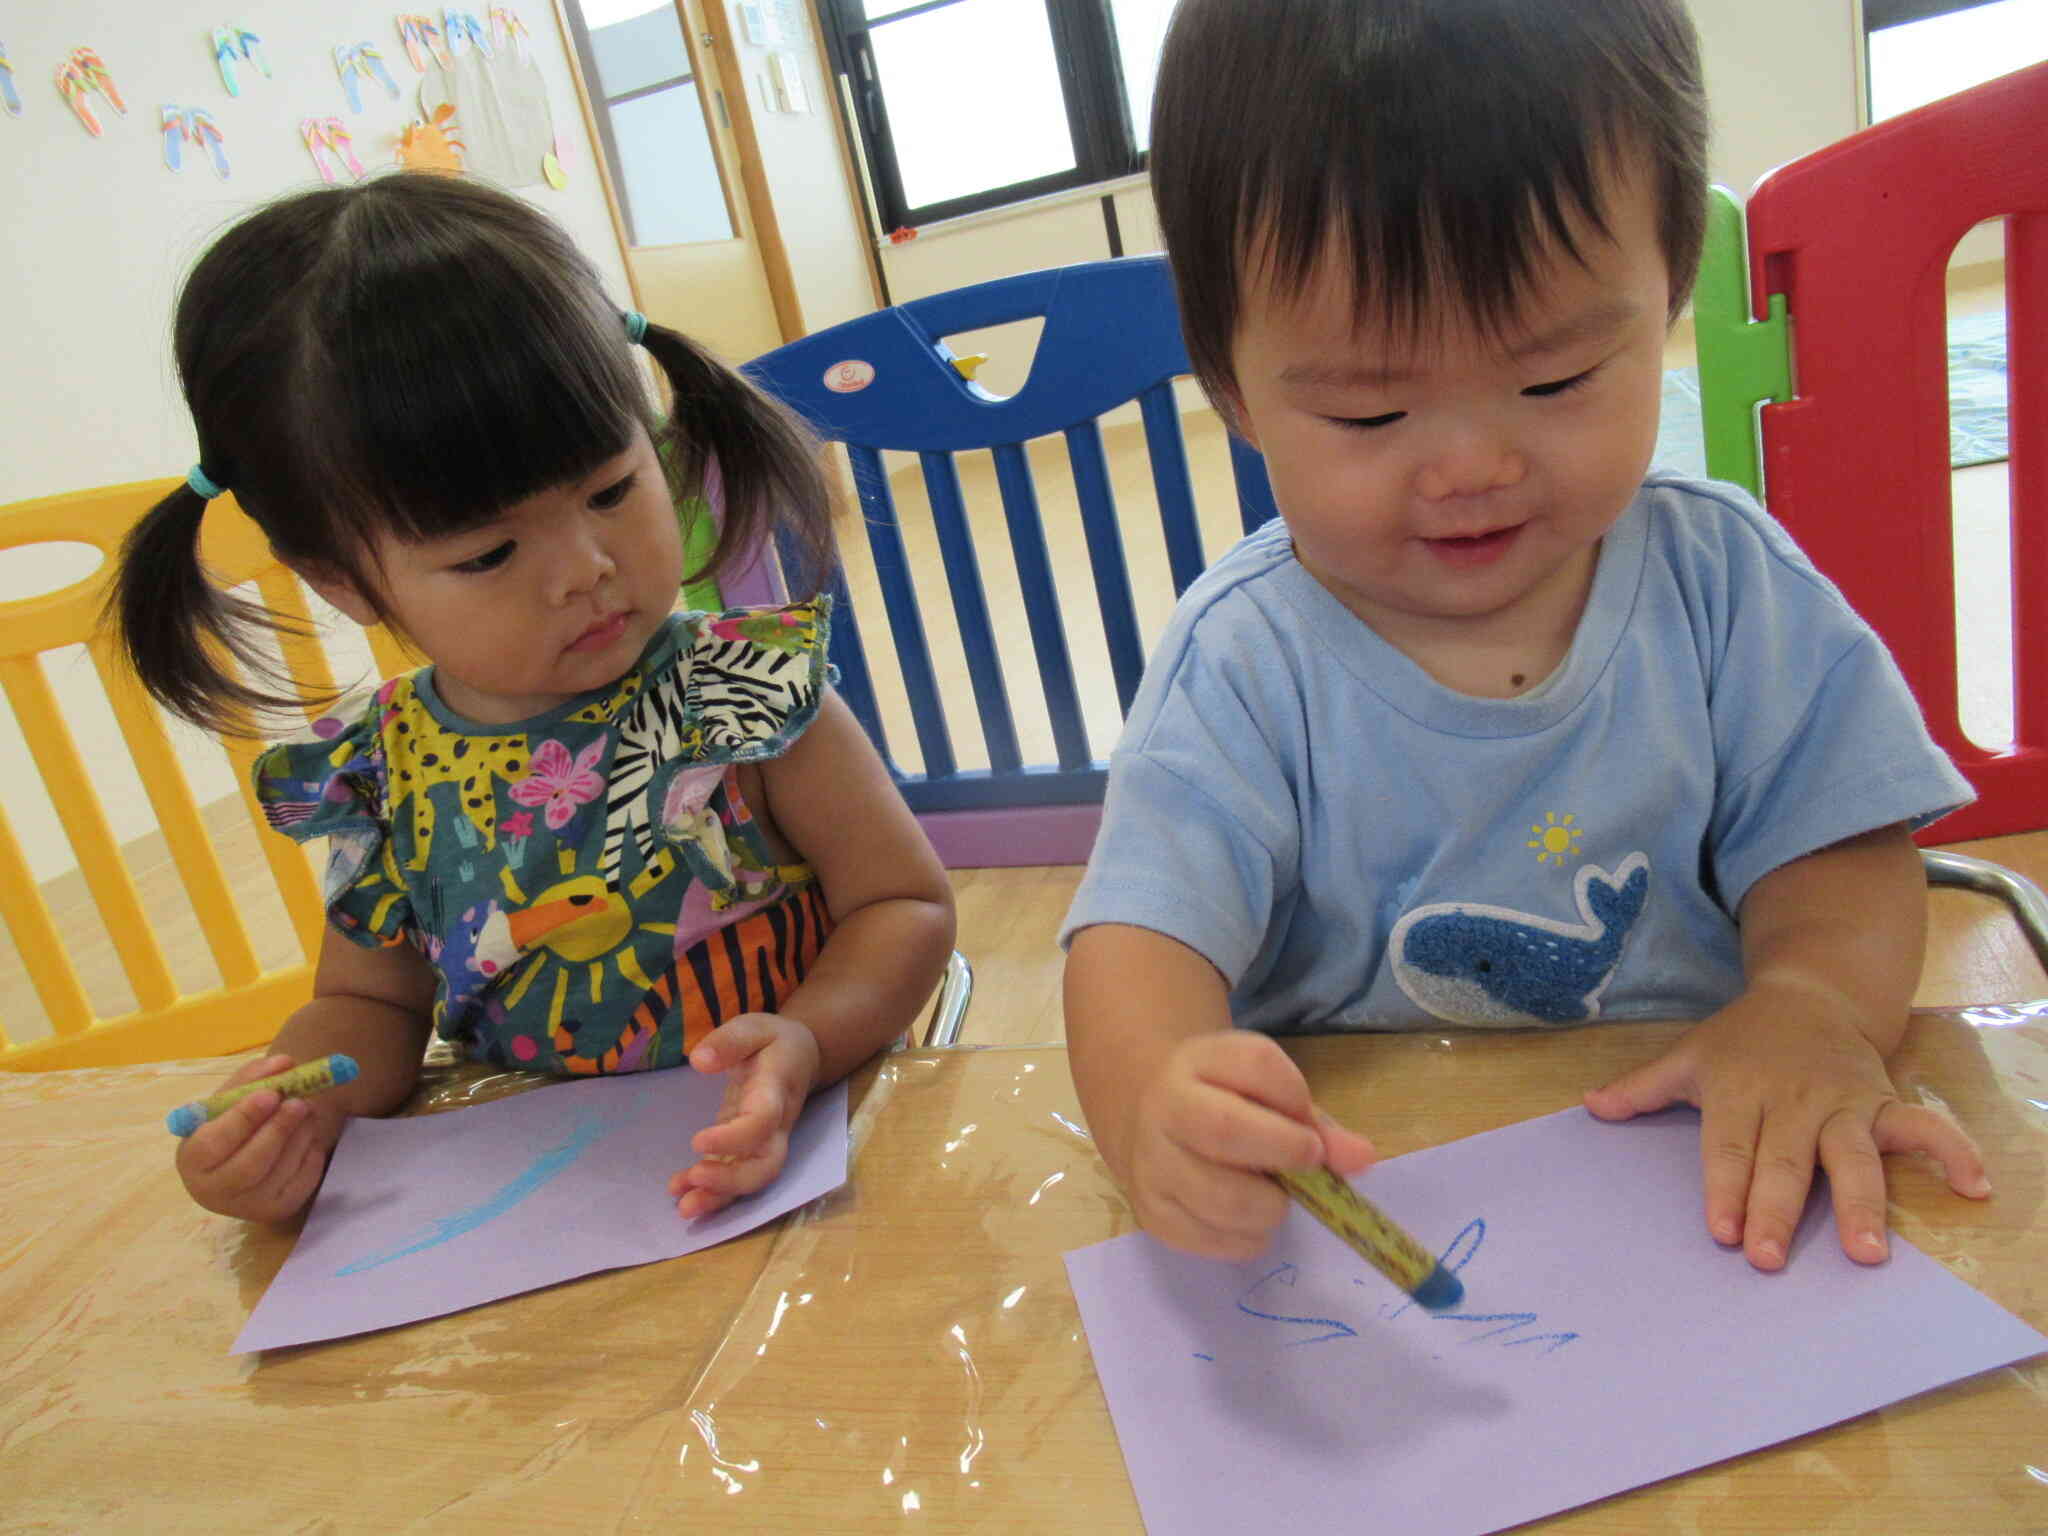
point(1555, 839)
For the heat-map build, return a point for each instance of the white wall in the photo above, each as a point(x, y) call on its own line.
point(100, 232)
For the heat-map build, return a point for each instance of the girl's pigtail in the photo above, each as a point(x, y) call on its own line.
point(176, 626)
point(771, 466)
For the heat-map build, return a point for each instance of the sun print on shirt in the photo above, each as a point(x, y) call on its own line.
point(1555, 838)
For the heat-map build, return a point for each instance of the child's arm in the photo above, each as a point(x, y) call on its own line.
point(1188, 1112)
point(1792, 1072)
point(265, 1157)
point(892, 913)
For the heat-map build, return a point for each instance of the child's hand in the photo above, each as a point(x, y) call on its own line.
point(772, 1064)
point(1781, 1083)
point(264, 1158)
point(1227, 1107)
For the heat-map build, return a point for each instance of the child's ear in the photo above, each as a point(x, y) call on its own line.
point(339, 589)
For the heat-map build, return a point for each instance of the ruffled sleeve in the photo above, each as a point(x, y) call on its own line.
point(753, 678)
point(330, 783)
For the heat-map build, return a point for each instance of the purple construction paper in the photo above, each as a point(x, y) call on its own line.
point(1605, 1341)
point(425, 1216)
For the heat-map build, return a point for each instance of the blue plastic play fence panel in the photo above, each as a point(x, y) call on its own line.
point(887, 383)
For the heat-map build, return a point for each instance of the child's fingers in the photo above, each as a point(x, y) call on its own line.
point(1252, 1066)
point(1654, 1085)
point(228, 1139)
point(1728, 1133)
point(1344, 1149)
point(1856, 1185)
point(1220, 1213)
point(1913, 1128)
point(1215, 1124)
point(712, 1184)
point(1781, 1176)
point(733, 1042)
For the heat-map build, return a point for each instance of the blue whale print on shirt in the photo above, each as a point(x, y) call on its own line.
point(1470, 964)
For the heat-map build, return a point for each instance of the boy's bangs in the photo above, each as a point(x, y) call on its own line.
point(459, 410)
point(1449, 204)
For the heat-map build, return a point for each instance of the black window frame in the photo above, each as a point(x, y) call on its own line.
point(1091, 81)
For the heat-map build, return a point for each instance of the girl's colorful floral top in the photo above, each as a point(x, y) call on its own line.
point(589, 886)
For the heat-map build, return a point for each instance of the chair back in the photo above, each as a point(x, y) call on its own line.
point(887, 382)
point(168, 1021)
point(1857, 239)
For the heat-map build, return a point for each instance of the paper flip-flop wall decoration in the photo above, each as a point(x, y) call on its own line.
point(422, 39)
point(355, 62)
point(330, 134)
point(506, 27)
point(8, 94)
point(232, 42)
point(464, 29)
point(194, 126)
point(80, 76)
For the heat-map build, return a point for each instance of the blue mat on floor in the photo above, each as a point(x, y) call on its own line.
point(1976, 401)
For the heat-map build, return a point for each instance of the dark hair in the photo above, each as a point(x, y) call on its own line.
point(413, 354)
point(1439, 143)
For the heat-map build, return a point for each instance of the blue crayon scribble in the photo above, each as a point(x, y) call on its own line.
point(442, 1229)
point(1200, 1356)
point(1461, 1251)
point(1285, 1274)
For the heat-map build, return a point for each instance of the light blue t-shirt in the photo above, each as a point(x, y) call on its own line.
point(1355, 846)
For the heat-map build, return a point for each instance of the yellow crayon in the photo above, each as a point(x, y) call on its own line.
point(1373, 1235)
point(327, 1072)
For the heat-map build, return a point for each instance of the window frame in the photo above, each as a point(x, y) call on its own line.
point(1091, 83)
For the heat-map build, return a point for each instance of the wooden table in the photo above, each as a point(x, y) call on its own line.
point(903, 1353)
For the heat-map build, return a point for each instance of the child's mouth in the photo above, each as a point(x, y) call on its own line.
point(602, 634)
point(1474, 549)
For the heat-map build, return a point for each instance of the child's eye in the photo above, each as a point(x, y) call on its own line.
point(489, 560)
point(614, 494)
point(1559, 386)
point(1367, 422)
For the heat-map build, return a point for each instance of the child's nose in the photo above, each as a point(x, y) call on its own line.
point(1470, 463)
point(583, 562)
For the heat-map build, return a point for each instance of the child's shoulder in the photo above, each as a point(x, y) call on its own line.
point(1711, 519)
point(751, 679)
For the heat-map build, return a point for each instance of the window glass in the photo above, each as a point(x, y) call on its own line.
point(974, 98)
point(638, 51)
point(1140, 29)
point(1922, 61)
point(666, 169)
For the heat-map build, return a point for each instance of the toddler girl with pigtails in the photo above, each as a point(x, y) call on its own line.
point(594, 834)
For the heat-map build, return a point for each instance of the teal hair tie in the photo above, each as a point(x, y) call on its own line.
point(636, 326)
point(202, 487)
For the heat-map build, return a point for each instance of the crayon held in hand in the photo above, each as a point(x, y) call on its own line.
point(1373, 1235)
point(327, 1072)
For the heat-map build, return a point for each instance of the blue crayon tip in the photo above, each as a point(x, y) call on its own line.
point(345, 1069)
point(185, 1119)
point(1442, 1289)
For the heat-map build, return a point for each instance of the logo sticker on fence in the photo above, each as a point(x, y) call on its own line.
point(849, 377)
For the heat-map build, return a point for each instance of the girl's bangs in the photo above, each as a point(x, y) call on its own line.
point(460, 405)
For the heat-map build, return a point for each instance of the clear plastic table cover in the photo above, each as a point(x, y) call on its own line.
point(903, 1353)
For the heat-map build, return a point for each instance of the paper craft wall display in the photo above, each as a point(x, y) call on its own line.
point(357, 62)
point(464, 32)
point(422, 39)
point(81, 76)
point(1605, 1341)
point(9, 96)
point(434, 146)
point(231, 43)
point(422, 1217)
point(194, 126)
point(501, 101)
point(329, 136)
point(506, 27)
